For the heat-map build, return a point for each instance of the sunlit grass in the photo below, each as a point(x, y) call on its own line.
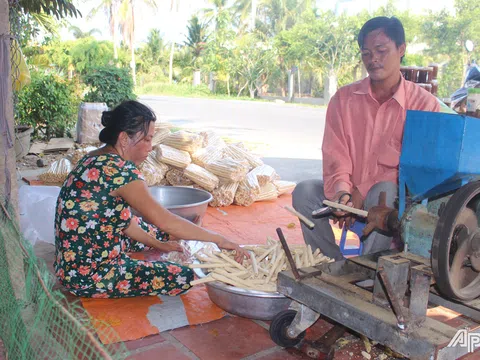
point(200, 91)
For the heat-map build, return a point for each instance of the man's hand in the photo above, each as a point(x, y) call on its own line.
point(342, 197)
point(357, 202)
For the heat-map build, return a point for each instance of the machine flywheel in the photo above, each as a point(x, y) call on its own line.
point(456, 245)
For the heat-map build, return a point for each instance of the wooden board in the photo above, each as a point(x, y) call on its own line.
point(37, 148)
point(32, 180)
point(59, 144)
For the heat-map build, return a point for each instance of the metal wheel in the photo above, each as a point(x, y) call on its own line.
point(279, 326)
point(456, 246)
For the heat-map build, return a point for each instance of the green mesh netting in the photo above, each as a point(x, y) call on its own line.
point(36, 322)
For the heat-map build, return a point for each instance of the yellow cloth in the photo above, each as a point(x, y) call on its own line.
point(19, 60)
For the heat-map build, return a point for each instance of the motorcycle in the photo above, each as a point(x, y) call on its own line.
point(472, 80)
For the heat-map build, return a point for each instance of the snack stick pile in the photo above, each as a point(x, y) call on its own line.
point(260, 271)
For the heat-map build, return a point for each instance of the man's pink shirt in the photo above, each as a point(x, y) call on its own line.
point(363, 139)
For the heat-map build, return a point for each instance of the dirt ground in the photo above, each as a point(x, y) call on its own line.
point(29, 162)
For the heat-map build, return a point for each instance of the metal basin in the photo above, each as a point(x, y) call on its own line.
point(251, 304)
point(188, 203)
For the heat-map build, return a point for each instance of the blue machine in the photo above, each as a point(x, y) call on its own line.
point(438, 220)
point(438, 202)
point(440, 153)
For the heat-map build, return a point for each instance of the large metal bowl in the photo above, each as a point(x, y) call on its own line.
point(186, 202)
point(251, 304)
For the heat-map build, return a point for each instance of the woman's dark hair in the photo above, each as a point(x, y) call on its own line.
point(130, 116)
point(392, 27)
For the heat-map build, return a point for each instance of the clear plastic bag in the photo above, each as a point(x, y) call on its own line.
point(190, 249)
point(37, 206)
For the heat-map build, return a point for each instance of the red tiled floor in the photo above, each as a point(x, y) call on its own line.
point(318, 329)
point(473, 356)
point(458, 322)
point(164, 351)
point(229, 338)
point(147, 341)
point(441, 314)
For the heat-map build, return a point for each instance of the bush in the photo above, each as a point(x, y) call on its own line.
point(155, 74)
point(110, 85)
point(48, 104)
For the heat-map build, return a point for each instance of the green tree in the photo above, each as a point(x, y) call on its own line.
point(110, 8)
point(217, 58)
point(254, 62)
point(326, 41)
point(80, 34)
point(109, 84)
point(246, 11)
point(174, 9)
point(48, 105)
point(275, 16)
point(127, 27)
point(57, 8)
point(445, 35)
point(196, 39)
point(153, 57)
point(213, 14)
point(155, 45)
point(83, 54)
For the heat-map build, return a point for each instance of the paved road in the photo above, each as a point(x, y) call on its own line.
point(288, 137)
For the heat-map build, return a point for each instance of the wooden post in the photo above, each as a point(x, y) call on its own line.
point(9, 161)
point(13, 253)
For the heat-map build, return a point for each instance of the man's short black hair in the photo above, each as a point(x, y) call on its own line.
point(392, 27)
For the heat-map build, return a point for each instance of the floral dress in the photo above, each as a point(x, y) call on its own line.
point(90, 247)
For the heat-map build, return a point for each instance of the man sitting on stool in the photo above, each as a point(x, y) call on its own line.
point(363, 138)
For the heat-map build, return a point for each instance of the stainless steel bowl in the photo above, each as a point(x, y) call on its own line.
point(251, 304)
point(186, 202)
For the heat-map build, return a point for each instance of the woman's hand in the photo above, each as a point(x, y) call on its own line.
point(170, 246)
point(223, 243)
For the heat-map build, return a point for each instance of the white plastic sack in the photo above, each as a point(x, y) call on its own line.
point(37, 212)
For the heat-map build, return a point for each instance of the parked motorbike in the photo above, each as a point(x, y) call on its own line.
point(472, 80)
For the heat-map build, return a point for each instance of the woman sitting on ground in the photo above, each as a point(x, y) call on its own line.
point(94, 226)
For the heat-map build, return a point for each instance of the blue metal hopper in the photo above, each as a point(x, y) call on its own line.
point(440, 153)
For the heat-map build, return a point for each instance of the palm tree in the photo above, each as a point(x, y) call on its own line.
point(196, 40)
point(174, 6)
point(197, 36)
point(58, 8)
point(279, 15)
point(155, 45)
point(247, 9)
point(212, 14)
point(127, 27)
point(79, 34)
point(110, 8)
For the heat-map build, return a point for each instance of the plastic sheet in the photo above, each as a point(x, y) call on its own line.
point(190, 248)
point(37, 212)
